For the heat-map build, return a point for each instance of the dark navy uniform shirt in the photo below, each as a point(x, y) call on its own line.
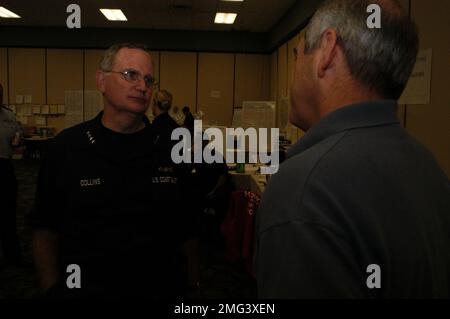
point(356, 191)
point(116, 203)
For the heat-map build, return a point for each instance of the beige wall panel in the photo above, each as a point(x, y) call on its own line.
point(215, 87)
point(291, 45)
point(282, 72)
point(274, 76)
point(64, 72)
point(91, 63)
point(252, 78)
point(4, 74)
point(62, 76)
point(282, 79)
point(156, 63)
point(430, 123)
point(178, 75)
point(27, 73)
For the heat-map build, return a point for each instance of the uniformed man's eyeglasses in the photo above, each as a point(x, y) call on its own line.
point(134, 76)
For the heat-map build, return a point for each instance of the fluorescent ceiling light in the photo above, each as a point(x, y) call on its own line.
point(114, 14)
point(232, 0)
point(225, 18)
point(5, 13)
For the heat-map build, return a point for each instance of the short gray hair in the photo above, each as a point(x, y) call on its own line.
point(381, 59)
point(109, 56)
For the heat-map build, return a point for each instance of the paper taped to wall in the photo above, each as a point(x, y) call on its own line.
point(418, 89)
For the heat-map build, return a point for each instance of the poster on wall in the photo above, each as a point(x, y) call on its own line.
point(73, 101)
point(418, 89)
point(93, 104)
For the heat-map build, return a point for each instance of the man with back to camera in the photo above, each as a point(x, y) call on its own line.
point(100, 202)
point(359, 209)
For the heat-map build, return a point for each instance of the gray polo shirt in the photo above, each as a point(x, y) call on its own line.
point(8, 130)
point(358, 200)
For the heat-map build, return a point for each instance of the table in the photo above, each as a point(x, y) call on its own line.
point(251, 180)
point(35, 146)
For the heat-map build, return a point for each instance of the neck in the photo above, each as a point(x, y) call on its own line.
point(122, 122)
point(339, 97)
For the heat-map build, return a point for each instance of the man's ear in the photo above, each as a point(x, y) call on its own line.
point(100, 80)
point(328, 51)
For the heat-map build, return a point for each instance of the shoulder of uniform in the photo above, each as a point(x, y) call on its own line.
point(75, 133)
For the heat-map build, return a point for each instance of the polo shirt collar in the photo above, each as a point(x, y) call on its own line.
point(365, 114)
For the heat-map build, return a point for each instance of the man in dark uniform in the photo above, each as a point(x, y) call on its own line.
point(163, 123)
point(188, 119)
point(104, 223)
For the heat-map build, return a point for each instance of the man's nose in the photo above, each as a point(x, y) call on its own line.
point(140, 85)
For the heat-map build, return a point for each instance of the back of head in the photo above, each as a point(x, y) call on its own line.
point(381, 59)
point(163, 100)
point(186, 109)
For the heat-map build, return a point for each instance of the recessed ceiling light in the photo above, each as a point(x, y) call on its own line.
point(5, 13)
point(114, 14)
point(225, 18)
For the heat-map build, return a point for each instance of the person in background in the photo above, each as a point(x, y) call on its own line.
point(163, 125)
point(177, 115)
point(188, 119)
point(9, 138)
point(105, 201)
point(359, 209)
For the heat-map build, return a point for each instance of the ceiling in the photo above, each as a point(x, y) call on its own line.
point(198, 15)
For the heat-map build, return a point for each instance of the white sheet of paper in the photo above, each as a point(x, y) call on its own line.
point(61, 109)
point(73, 101)
point(27, 99)
point(53, 109)
point(93, 104)
point(22, 119)
point(19, 99)
point(45, 109)
point(36, 109)
point(418, 89)
point(27, 111)
point(215, 94)
point(40, 120)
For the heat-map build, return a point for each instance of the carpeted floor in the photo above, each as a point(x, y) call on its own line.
point(219, 278)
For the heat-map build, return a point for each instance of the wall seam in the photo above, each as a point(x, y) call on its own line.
point(7, 76)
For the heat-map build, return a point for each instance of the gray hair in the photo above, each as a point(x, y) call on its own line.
point(381, 59)
point(109, 56)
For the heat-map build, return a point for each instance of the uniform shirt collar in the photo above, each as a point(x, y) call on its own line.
point(98, 119)
point(365, 114)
